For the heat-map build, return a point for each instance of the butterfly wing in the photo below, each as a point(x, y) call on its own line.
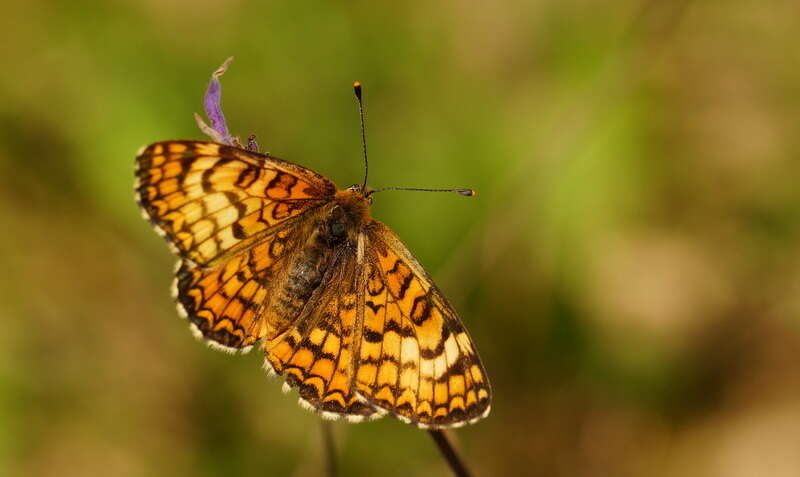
point(224, 303)
point(316, 353)
point(211, 201)
point(232, 216)
point(415, 358)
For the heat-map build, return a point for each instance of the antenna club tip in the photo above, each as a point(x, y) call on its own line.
point(466, 192)
point(357, 89)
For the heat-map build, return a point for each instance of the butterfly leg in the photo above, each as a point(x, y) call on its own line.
point(252, 145)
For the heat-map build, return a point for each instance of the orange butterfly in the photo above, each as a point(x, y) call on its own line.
point(272, 252)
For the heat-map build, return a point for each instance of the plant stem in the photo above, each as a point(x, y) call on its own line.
point(449, 453)
point(328, 448)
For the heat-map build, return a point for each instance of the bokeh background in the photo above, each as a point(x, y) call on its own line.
point(629, 269)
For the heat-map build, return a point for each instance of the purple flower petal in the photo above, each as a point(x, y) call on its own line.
point(213, 106)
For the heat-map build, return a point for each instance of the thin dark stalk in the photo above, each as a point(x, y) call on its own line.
point(328, 448)
point(449, 453)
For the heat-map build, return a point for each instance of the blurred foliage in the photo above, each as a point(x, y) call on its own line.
point(629, 268)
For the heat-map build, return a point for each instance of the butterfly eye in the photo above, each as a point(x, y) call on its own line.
point(337, 229)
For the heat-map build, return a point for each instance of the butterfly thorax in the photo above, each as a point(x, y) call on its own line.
point(355, 206)
point(336, 229)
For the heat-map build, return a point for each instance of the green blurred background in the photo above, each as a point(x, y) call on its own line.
point(629, 269)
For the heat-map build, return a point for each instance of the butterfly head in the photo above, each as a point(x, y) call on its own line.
point(352, 207)
point(363, 191)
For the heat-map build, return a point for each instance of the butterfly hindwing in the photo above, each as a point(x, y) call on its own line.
point(224, 303)
point(415, 360)
point(316, 354)
point(211, 200)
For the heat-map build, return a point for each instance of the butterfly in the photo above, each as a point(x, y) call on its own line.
point(271, 252)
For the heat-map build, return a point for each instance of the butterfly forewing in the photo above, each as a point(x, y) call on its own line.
point(416, 360)
point(211, 200)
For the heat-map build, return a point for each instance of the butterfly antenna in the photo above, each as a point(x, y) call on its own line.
point(357, 90)
point(464, 192)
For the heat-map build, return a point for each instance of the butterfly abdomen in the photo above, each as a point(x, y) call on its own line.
point(307, 268)
point(303, 275)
